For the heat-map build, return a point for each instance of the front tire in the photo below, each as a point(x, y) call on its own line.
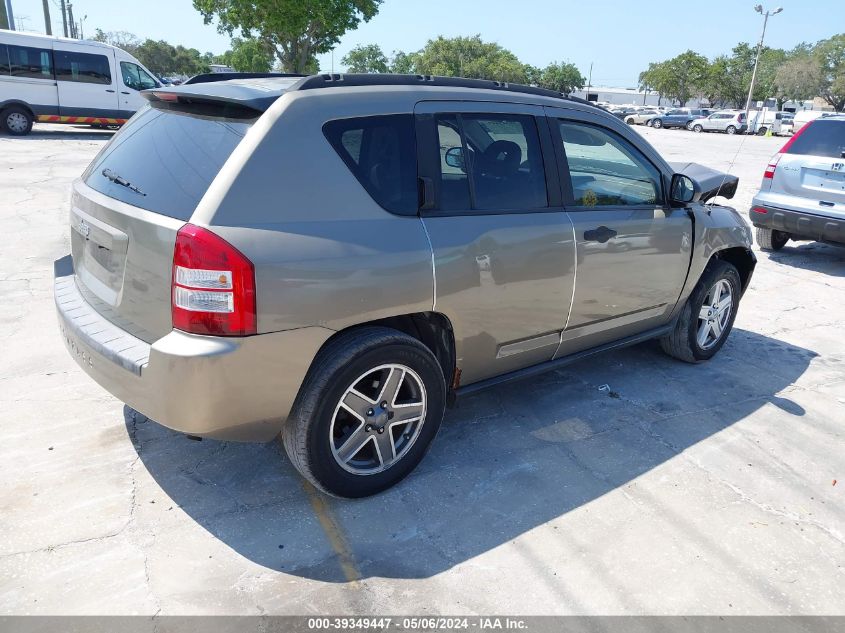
point(708, 315)
point(367, 412)
point(16, 120)
point(657, 123)
point(697, 128)
point(771, 240)
point(630, 120)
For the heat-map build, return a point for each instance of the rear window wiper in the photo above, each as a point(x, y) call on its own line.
point(120, 180)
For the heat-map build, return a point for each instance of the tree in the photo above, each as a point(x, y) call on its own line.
point(248, 56)
point(685, 75)
point(562, 77)
point(799, 79)
point(165, 59)
point(655, 79)
point(366, 59)
point(830, 55)
point(464, 57)
point(122, 39)
point(297, 30)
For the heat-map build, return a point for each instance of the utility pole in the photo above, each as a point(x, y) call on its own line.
point(47, 26)
point(71, 24)
point(758, 9)
point(10, 16)
point(64, 17)
point(590, 81)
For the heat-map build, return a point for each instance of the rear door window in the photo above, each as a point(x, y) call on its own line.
point(31, 62)
point(82, 67)
point(820, 138)
point(381, 153)
point(490, 162)
point(171, 157)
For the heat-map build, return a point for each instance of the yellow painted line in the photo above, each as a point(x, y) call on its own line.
point(333, 533)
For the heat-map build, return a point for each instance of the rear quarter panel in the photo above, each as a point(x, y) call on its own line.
point(325, 253)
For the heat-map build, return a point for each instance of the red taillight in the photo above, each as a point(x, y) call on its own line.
point(213, 285)
point(770, 168)
point(759, 210)
point(166, 96)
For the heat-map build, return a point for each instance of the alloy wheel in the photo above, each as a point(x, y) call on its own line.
point(715, 314)
point(378, 419)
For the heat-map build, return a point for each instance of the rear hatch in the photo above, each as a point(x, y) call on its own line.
point(812, 167)
point(135, 196)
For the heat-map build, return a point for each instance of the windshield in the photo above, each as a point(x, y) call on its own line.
point(164, 161)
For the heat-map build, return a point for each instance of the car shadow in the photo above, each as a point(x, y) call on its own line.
point(816, 256)
point(505, 462)
point(63, 133)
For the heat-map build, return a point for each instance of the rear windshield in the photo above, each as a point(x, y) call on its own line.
point(820, 138)
point(169, 159)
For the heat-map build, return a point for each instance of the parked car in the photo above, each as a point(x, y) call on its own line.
point(59, 80)
point(729, 122)
point(641, 117)
point(473, 232)
point(679, 118)
point(802, 196)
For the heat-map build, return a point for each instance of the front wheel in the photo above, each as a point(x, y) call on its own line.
point(657, 123)
point(367, 412)
point(16, 120)
point(708, 315)
point(697, 128)
point(630, 120)
point(771, 240)
point(731, 129)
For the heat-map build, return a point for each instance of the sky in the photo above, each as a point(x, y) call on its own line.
point(618, 37)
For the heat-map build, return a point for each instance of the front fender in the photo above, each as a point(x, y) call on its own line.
point(717, 229)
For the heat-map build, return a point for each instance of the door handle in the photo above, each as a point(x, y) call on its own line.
point(125, 93)
point(600, 234)
point(109, 90)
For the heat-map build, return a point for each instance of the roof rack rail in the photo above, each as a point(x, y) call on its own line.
point(204, 78)
point(388, 79)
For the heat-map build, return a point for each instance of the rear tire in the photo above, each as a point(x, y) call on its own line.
point(630, 120)
point(708, 315)
point(16, 120)
point(339, 449)
point(762, 131)
point(731, 129)
point(771, 240)
point(689, 126)
point(697, 128)
point(657, 123)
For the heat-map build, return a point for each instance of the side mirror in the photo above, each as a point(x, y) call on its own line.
point(684, 189)
point(455, 157)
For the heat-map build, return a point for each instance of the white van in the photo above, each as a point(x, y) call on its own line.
point(60, 80)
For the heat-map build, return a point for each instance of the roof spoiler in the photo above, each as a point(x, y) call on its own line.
point(207, 104)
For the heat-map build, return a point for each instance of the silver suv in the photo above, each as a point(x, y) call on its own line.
point(802, 196)
point(335, 258)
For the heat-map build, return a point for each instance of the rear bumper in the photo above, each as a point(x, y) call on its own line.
point(798, 224)
point(227, 388)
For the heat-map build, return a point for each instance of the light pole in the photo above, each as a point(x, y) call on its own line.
point(759, 9)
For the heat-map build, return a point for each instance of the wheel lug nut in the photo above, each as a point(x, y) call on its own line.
point(370, 412)
point(368, 428)
point(384, 404)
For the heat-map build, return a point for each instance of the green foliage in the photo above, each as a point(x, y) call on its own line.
point(829, 54)
point(799, 79)
point(165, 59)
point(248, 56)
point(463, 57)
point(366, 59)
point(122, 39)
point(297, 30)
point(806, 71)
point(562, 77)
point(404, 63)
